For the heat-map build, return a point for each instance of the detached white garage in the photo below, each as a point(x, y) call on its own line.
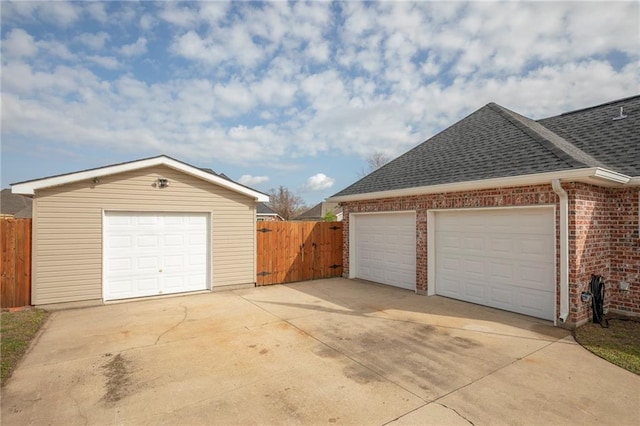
point(149, 227)
point(503, 258)
point(151, 253)
point(384, 248)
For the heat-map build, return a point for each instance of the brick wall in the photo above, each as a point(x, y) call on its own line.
point(589, 243)
point(503, 197)
point(603, 240)
point(603, 235)
point(624, 252)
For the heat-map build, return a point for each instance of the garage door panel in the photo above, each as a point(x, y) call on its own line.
point(532, 276)
point(146, 286)
point(155, 253)
point(474, 292)
point(385, 248)
point(147, 263)
point(502, 271)
point(503, 296)
point(508, 258)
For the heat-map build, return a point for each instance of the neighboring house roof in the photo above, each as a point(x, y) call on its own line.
point(29, 187)
point(494, 143)
point(319, 211)
point(314, 212)
point(15, 205)
point(264, 210)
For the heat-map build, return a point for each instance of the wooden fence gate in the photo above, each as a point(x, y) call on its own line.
point(15, 262)
point(298, 251)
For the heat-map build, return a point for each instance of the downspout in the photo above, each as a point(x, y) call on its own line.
point(564, 249)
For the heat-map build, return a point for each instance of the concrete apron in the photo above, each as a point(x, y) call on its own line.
point(330, 351)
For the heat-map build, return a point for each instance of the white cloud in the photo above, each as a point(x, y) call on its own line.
point(147, 22)
point(97, 11)
point(252, 180)
point(61, 13)
point(273, 80)
point(95, 41)
point(184, 17)
point(19, 43)
point(134, 49)
point(233, 98)
point(108, 62)
point(318, 182)
point(56, 48)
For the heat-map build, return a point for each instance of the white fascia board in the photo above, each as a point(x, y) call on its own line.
point(602, 175)
point(29, 188)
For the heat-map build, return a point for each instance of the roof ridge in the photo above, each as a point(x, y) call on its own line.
point(556, 144)
point(594, 106)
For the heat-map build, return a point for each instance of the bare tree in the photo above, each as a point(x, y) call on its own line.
point(374, 162)
point(286, 203)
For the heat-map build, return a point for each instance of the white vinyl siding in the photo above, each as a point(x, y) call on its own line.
point(67, 229)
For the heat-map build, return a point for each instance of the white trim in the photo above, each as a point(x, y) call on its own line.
point(593, 175)
point(29, 188)
point(103, 254)
point(352, 249)
point(431, 252)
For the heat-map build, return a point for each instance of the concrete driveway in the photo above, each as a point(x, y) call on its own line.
point(331, 351)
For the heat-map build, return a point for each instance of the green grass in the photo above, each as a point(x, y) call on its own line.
point(17, 329)
point(619, 344)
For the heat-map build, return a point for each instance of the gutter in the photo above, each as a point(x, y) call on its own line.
point(564, 249)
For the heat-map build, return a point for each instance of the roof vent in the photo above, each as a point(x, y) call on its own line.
point(622, 114)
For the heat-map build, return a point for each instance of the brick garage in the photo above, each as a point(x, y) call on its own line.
point(497, 160)
point(603, 235)
point(603, 239)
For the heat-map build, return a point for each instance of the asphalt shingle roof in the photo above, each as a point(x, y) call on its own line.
point(16, 205)
point(593, 130)
point(494, 142)
point(262, 208)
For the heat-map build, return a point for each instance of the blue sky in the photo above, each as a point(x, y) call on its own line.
point(297, 94)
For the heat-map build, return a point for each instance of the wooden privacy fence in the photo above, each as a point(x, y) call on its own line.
point(298, 251)
point(15, 264)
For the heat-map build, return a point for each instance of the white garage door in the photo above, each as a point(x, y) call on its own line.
point(501, 258)
point(385, 248)
point(148, 254)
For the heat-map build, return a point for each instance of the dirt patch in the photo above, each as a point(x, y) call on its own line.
point(117, 375)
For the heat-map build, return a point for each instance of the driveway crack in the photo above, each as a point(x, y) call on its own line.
point(455, 411)
point(184, 317)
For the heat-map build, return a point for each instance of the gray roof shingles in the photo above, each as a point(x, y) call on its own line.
point(15, 205)
point(495, 142)
point(593, 130)
point(262, 208)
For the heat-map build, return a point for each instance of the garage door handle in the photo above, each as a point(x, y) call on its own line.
point(302, 251)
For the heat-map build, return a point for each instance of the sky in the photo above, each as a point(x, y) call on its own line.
point(297, 94)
